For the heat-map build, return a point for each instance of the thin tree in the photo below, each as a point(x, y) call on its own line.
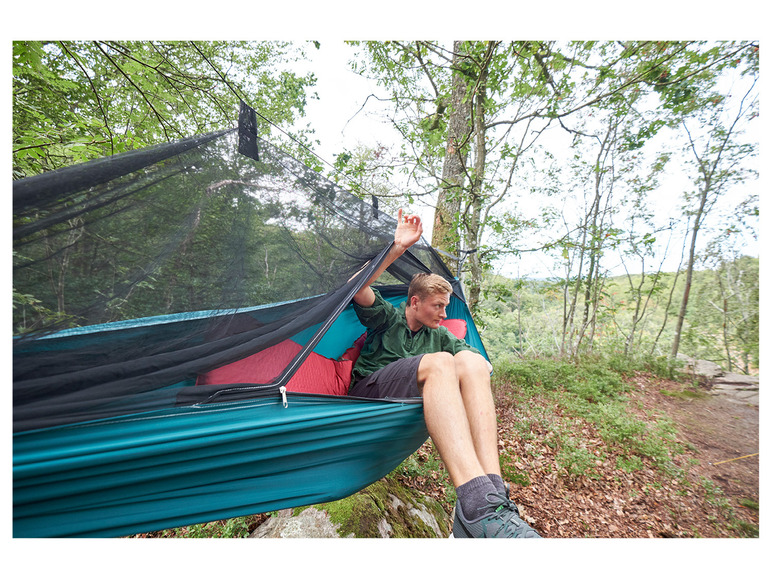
point(719, 164)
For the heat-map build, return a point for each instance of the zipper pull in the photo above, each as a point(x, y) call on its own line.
point(283, 390)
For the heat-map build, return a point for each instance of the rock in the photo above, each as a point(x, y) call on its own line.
point(311, 523)
point(708, 369)
point(701, 367)
point(732, 378)
point(738, 388)
point(384, 509)
point(733, 393)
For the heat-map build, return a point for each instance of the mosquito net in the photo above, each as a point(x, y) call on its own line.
point(136, 275)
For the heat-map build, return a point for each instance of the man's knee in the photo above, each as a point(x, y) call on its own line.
point(436, 364)
point(467, 361)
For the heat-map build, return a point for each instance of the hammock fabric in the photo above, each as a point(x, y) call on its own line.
point(183, 339)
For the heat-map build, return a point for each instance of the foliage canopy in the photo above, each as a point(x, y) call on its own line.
point(79, 100)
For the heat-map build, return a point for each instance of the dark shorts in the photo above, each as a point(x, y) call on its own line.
point(397, 380)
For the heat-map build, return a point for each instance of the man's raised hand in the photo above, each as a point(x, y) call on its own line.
point(409, 230)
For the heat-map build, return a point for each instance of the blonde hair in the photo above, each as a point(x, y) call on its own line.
point(425, 284)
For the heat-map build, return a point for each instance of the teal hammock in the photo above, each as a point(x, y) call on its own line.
point(178, 467)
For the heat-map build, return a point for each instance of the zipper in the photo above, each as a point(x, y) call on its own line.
point(283, 390)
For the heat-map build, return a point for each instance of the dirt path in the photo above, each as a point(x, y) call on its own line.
point(723, 427)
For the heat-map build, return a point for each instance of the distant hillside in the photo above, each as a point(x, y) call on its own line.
point(526, 317)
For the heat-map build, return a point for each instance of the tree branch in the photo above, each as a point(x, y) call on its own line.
point(94, 90)
point(158, 116)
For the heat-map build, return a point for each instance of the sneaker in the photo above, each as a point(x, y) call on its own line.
point(503, 522)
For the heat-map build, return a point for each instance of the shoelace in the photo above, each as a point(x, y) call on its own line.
point(509, 499)
point(499, 502)
point(507, 512)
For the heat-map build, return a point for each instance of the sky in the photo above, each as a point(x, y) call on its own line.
point(347, 113)
point(337, 116)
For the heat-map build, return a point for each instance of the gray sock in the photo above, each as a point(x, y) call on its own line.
point(498, 482)
point(471, 496)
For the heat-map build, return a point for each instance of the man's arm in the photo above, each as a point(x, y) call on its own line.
point(409, 230)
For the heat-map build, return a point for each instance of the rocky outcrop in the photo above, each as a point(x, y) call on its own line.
point(701, 367)
point(739, 388)
point(384, 509)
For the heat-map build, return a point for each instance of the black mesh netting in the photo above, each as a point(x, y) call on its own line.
point(134, 274)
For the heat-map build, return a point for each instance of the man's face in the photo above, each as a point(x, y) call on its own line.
point(431, 310)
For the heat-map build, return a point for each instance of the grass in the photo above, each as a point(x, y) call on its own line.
point(685, 394)
point(584, 414)
point(514, 473)
point(749, 504)
point(235, 528)
point(591, 392)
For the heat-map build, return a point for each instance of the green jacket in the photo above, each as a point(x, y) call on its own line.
point(389, 338)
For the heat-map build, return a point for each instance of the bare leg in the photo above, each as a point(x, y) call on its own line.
point(460, 416)
point(474, 380)
point(447, 418)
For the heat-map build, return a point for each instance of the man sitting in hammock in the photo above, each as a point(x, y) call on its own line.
point(407, 354)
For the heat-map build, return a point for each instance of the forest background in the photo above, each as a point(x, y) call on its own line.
point(608, 161)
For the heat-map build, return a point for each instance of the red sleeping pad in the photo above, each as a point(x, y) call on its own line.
point(317, 374)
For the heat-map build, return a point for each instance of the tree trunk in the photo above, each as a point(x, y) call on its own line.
point(445, 235)
point(669, 298)
point(473, 215)
point(713, 181)
point(689, 271)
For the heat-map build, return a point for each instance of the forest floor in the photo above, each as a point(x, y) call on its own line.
point(710, 488)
